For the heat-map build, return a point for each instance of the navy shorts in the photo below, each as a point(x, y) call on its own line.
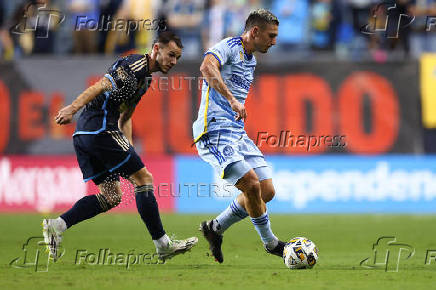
point(106, 156)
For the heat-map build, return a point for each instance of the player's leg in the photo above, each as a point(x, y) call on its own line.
point(213, 229)
point(91, 205)
point(236, 211)
point(149, 212)
point(227, 152)
point(256, 208)
point(267, 192)
point(85, 208)
point(92, 167)
point(147, 205)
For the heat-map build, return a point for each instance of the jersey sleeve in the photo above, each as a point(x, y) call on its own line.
point(221, 51)
point(124, 82)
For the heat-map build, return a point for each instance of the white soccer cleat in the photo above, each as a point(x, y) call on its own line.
point(52, 238)
point(176, 247)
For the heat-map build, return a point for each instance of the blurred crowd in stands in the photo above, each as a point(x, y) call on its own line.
point(307, 27)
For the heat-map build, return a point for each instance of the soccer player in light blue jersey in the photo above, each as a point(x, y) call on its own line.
point(219, 134)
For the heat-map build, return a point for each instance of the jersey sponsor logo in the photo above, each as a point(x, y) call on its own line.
point(240, 82)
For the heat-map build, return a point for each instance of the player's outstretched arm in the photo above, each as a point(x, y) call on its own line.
point(210, 69)
point(65, 115)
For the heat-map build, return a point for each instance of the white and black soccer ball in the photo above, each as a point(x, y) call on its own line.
point(300, 253)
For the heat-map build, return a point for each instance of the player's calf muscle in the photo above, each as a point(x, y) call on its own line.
point(249, 183)
point(267, 190)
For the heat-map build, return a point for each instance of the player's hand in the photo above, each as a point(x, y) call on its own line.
point(65, 115)
point(239, 109)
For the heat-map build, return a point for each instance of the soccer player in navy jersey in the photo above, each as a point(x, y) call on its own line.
point(220, 137)
point(103, 145)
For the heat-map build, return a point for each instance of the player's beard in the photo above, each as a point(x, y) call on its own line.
point(160, 68)
point(263, 49)
point(266, 49)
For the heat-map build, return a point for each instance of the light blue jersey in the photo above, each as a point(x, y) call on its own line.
point(237, 70)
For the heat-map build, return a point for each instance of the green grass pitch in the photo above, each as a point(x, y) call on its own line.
point(343, 241)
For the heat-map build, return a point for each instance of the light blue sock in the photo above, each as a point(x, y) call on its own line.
point(232, 214)
point(263, 227)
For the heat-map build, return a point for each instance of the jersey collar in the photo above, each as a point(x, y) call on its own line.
point(248, 56)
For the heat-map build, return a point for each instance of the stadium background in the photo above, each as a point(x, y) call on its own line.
point(324, 78)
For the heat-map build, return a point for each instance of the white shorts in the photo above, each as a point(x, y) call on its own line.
point(232, 155)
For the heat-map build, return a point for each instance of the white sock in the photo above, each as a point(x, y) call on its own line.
point(60, 225)
point(162, 242)
point(232, 214)
point(263, 227)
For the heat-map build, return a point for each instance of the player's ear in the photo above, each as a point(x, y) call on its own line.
point(155, 51)
point(156, 47)
point(255, 31)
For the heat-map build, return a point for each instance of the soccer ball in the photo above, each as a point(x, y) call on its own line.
point(300, 253)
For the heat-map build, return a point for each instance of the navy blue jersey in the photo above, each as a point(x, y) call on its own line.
point(130, 77)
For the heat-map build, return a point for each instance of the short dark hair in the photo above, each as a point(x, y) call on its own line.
point(166, 36)
point(260, 17)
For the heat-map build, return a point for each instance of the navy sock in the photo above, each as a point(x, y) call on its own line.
point(149, 210)
point(85, 208)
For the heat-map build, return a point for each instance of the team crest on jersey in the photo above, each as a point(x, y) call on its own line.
point(241, 55)
point(122, 74)
point(228, 151)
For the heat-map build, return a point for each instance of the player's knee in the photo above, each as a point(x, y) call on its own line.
point(253, 188)
point(249, 185)
point(268, 194)
point(147, 178)
point(142, 177)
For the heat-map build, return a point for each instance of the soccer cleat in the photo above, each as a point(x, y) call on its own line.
point(176, 247)
point(52, 239)
point(278, 250)
point(214, 239)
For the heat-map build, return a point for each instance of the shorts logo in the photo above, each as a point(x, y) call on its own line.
point(228, 151)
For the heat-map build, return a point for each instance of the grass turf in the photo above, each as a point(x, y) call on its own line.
point(343, 241)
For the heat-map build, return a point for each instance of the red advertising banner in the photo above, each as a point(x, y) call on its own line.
point(303, 108)
point(54, 183)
